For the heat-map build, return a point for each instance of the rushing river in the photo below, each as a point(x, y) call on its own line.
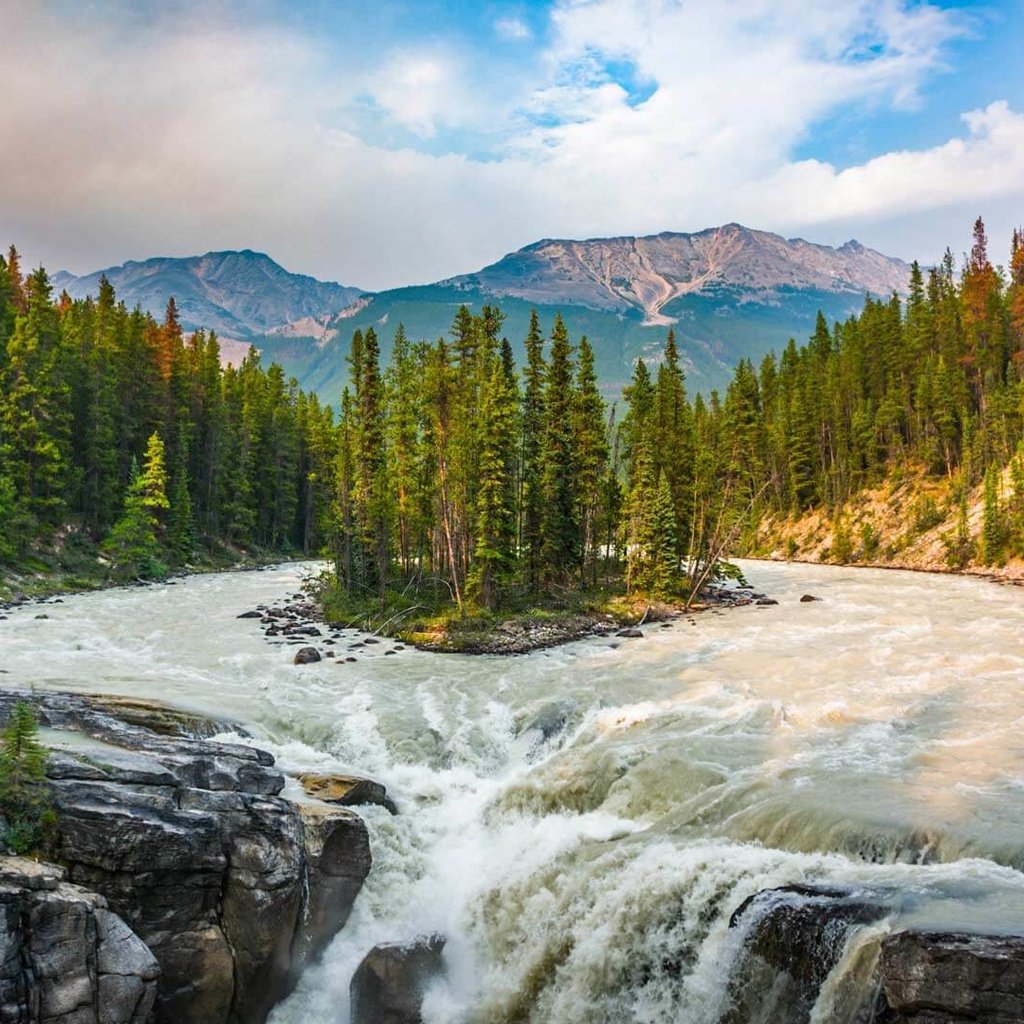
point(874, 738)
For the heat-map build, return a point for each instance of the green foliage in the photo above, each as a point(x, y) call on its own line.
point(925, 514)
point(24, 797)
point(994, 532)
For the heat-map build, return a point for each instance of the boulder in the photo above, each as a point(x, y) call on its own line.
point(64, 957)
point(347, 790)
point(794, 937)
point(949, 978)
point(250, 615)
point(763, 601)
point(306, 656)
point(338, 860)
point(808, 598)
point(631, 632)
point(388, 986)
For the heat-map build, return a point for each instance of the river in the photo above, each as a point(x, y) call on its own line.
point(873, 738)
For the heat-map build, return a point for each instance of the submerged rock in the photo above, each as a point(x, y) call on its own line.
point(808, 598)
point(550, 719)
point(388, 986)
point(347, 790)
point(943, 978)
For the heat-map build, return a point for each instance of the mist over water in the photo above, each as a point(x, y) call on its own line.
point(871, 739)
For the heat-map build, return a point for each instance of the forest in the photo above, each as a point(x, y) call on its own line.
point(452, 471)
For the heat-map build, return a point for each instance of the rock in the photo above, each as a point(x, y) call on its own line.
point(250, 615)
point(388, 652)
point(764, 601)
point(306, 656)
point(371, 640)
point(347, 790)
point(388, 986)
point(948, 978)
point(65, 957)
point(630, 632)
point(550, 719)
point(795, 936)
point(190, 845)
point(807, 598)
point(43, 615)
point(337, 862)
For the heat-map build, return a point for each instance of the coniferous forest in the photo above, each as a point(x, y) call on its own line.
point(455, 472)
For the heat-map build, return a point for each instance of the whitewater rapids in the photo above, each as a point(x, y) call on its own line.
point(873, 738)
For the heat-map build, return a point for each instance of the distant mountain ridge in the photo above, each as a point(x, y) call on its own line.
point(649, 273)
point(239, 294)
point(732, 292)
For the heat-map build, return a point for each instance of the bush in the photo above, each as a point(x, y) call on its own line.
point(30, 820)
point(925, 514)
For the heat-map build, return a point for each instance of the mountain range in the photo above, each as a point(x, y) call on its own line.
point(730, 292)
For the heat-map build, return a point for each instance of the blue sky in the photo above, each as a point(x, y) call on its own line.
point(382, 142)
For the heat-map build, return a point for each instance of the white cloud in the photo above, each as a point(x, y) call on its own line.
point(514, 29)
point(182, 137)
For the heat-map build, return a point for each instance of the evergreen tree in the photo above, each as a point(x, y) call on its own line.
point(133, 542)
point(24, 798)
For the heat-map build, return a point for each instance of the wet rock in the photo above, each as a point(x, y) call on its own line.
point(371, 640)
point(42, 615)
point(306, 656)
point(388, 652)
point(764, 601)
point(189, 843)
point(550, 719)
point(388, 986)
point(948, 978)
point(630, 632)
point(808, 598)
point(338, 860)
point(250, 615)
point(65, 956)
point(350, 658)
point(795, 936)
point(347, 790)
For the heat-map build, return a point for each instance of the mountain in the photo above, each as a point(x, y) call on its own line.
point(650, 274)
point(240, 295)
point(731, 292)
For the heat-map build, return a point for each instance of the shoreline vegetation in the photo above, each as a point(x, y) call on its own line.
point(467, 498)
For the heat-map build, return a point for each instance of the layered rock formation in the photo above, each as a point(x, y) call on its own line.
point(233, 888)
point(66, 958)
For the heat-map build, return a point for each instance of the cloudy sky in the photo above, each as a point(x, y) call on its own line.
point(383, 142)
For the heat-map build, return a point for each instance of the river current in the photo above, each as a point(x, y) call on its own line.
point(874, 738)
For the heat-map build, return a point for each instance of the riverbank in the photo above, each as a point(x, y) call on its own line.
point(60, 573)
point(913, 523)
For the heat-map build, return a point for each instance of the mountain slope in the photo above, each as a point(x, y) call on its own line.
point(240, 295)
point(731, 293)
point(648, 274)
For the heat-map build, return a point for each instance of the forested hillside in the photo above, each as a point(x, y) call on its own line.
point(119, 431)
point(893, 437)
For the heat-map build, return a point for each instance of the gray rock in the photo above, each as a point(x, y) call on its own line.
point(250, 615)
point(630, 632)
point(66, 959)
point(808, 598)
point(189, 844)
point(943, 978)
point(306, 656)
point(550, 719)
point(794, 937)
point(388, 986)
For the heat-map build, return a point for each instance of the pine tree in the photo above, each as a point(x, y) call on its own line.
point(133, 543)
point(531, 473)
point(591, 448)
point(993, 526)
point(24, 798)
point(560, 524)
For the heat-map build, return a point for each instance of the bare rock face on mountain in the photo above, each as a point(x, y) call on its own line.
point(648, 273)
point(238, 294)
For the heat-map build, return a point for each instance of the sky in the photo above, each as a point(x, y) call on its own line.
point(388, 142)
